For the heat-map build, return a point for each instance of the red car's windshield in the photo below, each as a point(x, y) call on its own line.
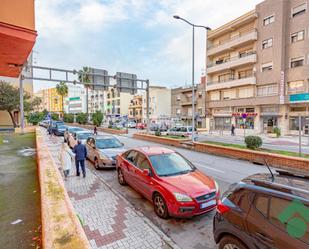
point(170, 164)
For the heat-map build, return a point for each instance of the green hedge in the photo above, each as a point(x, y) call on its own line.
point(253, 142)
point(81, 118)
point(68, 118)
point(97, 118)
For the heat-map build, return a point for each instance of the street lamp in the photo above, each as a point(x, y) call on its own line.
point(193, 95)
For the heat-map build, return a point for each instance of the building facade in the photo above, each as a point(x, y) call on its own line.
point(51, 100)
point(116, 103)
point(159, 104)
point(258, 69)
point(75, 102)
point(136, 108)
point(181, 102)
point(96, 100)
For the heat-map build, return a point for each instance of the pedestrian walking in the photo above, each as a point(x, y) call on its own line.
point(66, 159)
point(233, 130)
point(80, 156)
point(95, 130)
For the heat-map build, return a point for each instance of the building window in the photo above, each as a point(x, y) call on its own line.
point(267, 67)
point(298, 36)
point(299, 10)
point(268, 20)
point(267, 43)
point(245, 74)
point(224, 77)
point(118, 101)
point(297, 62)
point(229, 94)
point(178, 97)
point(294, 123)
point(200, 95)
point(246, 92)
point(296, 87)
point(178, 111)
point(267, 90)
point(214, 96)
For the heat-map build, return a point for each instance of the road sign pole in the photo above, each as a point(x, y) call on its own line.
point(21, 99)
point(147, 104)
point(299, 134)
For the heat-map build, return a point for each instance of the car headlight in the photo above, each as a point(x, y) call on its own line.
point(182, 197)
point(104, 157)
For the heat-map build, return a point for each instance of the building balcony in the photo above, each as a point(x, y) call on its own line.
point(231, 83)
point(233, 43)
point(184, 103)
point(231, 63)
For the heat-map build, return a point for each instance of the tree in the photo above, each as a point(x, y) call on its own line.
point(62, 90)
point(86, 79)
point(9, 100)
point(81, 118)
point(97, 118)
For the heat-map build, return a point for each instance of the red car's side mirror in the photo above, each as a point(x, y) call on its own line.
point(146, 172)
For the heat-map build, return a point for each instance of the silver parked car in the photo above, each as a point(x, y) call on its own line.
point(69, 131)
point(78, 135)
point(183, 131)
point(102, 150)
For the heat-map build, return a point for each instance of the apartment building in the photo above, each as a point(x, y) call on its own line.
point(181, 102)
point(258, 69)
point(116, 103)
point(51, 100)
point(75, 102)
point(159, 104)
point(96, 100)
point(136, 109)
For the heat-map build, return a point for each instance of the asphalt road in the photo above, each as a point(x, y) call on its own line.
point(194, 233)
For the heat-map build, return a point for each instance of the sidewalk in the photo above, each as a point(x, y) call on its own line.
point(109, 221)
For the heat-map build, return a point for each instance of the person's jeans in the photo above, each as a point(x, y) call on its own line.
point(82, 165)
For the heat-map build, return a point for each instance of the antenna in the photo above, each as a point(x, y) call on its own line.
point(272, 175)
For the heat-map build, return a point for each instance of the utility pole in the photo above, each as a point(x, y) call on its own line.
point(299, 133)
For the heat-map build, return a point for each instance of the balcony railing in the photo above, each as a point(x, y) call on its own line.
point(232, 62)
point(233, 82)
point(250, 35)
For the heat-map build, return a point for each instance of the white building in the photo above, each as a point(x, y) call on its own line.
point(159, 104)
point(76, 100)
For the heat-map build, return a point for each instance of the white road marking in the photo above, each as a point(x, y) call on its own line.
point(207, 167)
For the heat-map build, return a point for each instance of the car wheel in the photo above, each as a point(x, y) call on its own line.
point(160, 206)
point(121, 179)
point(96, 163)
point(230, 242)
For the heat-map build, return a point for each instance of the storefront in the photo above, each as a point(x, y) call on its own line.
point(299, 113)
point(222, 119)
point(269, 118)
point(244, 118)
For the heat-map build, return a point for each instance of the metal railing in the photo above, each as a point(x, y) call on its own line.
point(220, 62)
point(231, 78)
point(231, 39)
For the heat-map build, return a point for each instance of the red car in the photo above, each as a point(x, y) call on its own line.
point(141, 126)
point(174, 185)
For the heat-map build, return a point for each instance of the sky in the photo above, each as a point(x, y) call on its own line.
point(134, 36)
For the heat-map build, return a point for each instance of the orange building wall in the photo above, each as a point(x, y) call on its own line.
point(18, 12)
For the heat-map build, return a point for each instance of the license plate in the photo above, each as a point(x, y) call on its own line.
point(208, 204)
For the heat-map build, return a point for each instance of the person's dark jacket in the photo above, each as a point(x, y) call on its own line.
point(80, 152)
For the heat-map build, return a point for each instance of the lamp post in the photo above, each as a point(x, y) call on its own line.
point(193, 92)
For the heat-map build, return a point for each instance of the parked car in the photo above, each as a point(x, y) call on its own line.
point(141, 126)
point(69, 130)
point(263, 212)
point(44, 123)
point(78, 135)
point(156, 127)
point(174, 185)
point(60, 129)
point(103, 149)
point(131, 125)
point(183, 131)
point(55, 124)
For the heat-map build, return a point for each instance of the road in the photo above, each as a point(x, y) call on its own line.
point(194, 233)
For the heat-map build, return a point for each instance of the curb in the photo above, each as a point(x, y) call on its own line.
point(157, 230)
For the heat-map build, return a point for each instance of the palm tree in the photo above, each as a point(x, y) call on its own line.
point(62, 90)
point(86, 79)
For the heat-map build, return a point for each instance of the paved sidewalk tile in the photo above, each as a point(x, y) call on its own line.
point(108, 220)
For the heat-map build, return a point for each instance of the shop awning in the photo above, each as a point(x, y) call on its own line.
point(16, 44)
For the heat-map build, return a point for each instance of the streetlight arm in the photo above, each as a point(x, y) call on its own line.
point(197, 26)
